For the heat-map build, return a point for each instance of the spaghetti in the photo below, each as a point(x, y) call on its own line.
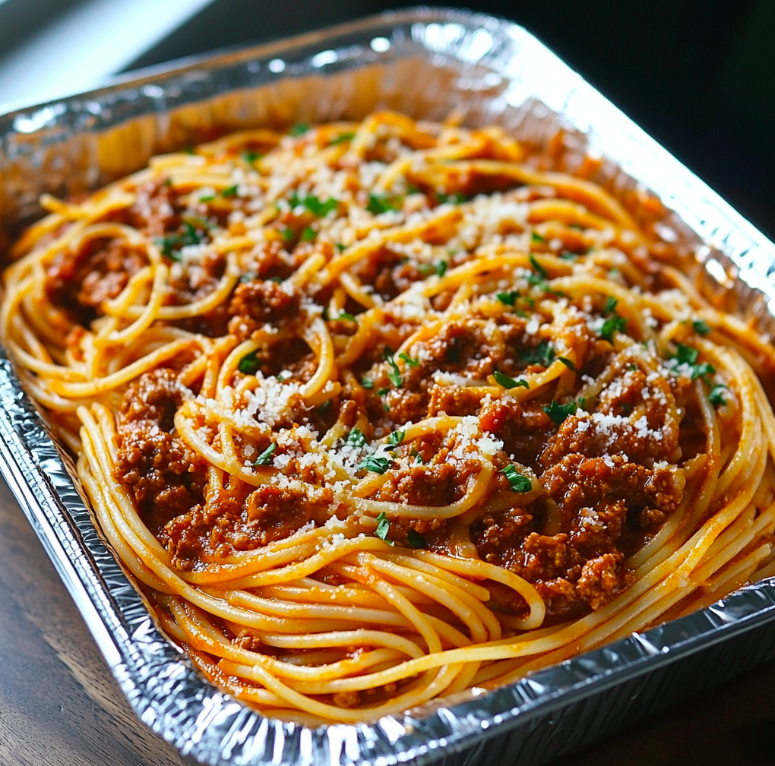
point(375, 413)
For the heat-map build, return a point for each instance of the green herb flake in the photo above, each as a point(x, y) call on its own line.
point(383, 528)
point(536, 238)
point(686, 354)
point(375, 464)
point(308, 235)
point(441, 268)
point(558, 412)
point(507, 382)
point(396, 437)
point(716, 396)
point(356, 438)
point(542, 272)
point(319, 208)
point(415, 539)
point(568, 363)
point(325, 408)
point(207, 198)
point(342, 138)
point(299, 129)
point(703, 370)
point(345, 316)
point(700, 326)
point(340, 247)
point(249, 363)
point(367, 384)
point(517, 481)
point(230, 191)
point(542, 354)
point(567, 255)
point(426, 269)
point(418, 459)
point(383, 392)
point(610, 305)
point(265, 458)
point(612, 325)
point(508, 299)
point(251, 157)
point(288, 233)
point(382, 203)
point(394, 374)
point(452, 199)
point(408, 359)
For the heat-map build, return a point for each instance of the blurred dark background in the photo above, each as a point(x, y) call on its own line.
point(699, 75)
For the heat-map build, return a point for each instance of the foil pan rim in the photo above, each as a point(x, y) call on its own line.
point(208, 725)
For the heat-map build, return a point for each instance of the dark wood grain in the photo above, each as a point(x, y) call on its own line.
point(59, 705)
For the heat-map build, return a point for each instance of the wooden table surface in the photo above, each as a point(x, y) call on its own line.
point(59, 705)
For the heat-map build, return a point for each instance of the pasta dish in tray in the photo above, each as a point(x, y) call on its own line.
point(379, 412)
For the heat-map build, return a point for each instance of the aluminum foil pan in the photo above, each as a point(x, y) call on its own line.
point(426, 63)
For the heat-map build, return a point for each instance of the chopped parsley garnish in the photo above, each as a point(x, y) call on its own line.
point(383, 391)
point(610, 305)
point(415, 539)
point(536, 238)
point(172, 243)
point(315, 205)
point(207, 198)
point(517, 481)
point(568, 363)
point(248, 276)
point(287, 233)
point(558, 412)
point(356, 438)
point(453, 199)
point(249, 363)
point(614, 323)
point(367, 384)
point(341, 138)
point(542, 272)
point(230, 191)
point(382, 203)
point(383, 528)
point(703, 371)
point(408, 359)
point(265, 458)
point(507, 382)
point(345, 316)
point(251, 157)
point(394, 374)
point(542, 354)
point(508, 299)
point(611, 325)
point(441, 268)
point(340, 247)
point(396, 437)
point(686, 354)
point(308, 235)
point(283, 376)
point(567, 255)
point(375, 464)
point(418, 459)
point(299, 129)
point(700, 326)
point(325, 408)
point(716, 396)
point(426, 269)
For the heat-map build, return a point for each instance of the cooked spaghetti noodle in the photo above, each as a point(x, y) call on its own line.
point(375, 413)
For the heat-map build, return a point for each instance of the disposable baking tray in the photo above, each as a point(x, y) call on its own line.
point(426, 63)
